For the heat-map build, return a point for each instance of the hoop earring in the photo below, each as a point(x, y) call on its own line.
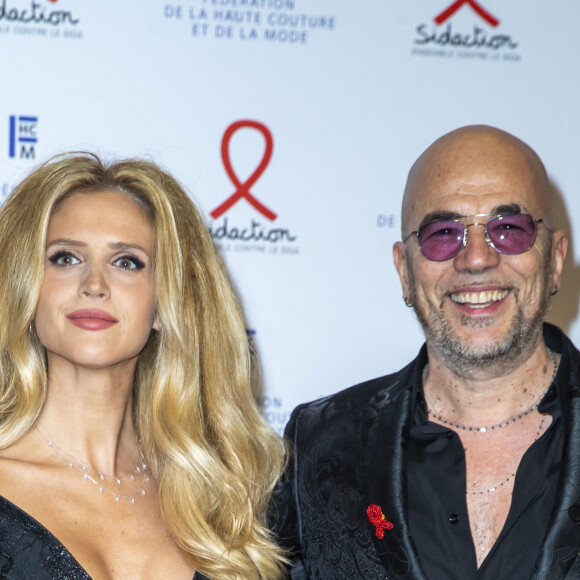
point(407, 303)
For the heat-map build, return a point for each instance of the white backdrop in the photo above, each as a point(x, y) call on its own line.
point(349, 93)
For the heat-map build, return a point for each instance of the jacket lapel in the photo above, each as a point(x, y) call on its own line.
point(383, 436)
point(562, 543)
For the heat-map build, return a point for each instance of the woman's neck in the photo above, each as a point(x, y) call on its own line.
point(88, 415)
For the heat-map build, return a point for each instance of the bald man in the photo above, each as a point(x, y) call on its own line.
point(466, 463)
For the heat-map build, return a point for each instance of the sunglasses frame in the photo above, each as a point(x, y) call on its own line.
point(491, 217)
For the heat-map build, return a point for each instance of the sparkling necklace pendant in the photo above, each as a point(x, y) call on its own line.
point(99, 478)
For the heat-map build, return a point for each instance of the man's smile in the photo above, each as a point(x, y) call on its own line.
point(479, 299)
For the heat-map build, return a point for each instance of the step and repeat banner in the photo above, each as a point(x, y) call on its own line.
point(293, 123)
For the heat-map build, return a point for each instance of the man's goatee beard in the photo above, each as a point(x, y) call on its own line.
point(463, 359)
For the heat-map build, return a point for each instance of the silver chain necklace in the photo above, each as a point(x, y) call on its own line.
point(99, 479)
point(512, 475)
point(505, 423)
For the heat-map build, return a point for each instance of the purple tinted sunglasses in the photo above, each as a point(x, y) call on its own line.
point(507, 234)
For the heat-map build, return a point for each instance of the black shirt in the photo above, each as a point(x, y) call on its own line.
point(436, 488)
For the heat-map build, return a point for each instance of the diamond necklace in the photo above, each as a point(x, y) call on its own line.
point(100, 478)
point(507, 421)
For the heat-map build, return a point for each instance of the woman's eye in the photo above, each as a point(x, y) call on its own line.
point(63, 259)
point(129, 263)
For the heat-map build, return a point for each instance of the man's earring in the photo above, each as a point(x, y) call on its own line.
point(407, 303)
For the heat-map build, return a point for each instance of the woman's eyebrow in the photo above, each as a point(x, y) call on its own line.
point(127, 246)
point(113, 245)
point(65, 242)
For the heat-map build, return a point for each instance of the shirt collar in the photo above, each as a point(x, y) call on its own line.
point(550, 402)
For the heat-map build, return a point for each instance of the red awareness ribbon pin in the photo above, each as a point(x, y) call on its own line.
point(451, 10)
point(243, 189)
point(378, 519)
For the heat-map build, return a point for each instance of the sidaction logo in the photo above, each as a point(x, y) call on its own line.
point(258, 230)
point(36, 13)
point(483, 35)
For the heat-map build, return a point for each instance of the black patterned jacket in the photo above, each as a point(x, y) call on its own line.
point(349, 453)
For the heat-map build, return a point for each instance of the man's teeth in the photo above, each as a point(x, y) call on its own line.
point(484, 297)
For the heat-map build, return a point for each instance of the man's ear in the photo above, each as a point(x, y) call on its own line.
point(559, 250)
point(402, 266)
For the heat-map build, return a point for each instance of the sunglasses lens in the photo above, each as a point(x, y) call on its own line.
point(441, 240)
point(512, 234)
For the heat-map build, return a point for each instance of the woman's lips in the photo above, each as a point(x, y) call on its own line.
point(92, 319)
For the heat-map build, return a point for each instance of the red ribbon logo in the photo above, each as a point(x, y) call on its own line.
point(243, 189)
point(378, 519)
point(448, 12)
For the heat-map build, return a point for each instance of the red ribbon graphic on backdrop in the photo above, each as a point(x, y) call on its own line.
point(448, 12)
point(243, 189)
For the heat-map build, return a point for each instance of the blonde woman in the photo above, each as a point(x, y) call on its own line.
point(130, 442)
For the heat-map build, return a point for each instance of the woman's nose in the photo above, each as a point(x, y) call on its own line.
point(94, 284)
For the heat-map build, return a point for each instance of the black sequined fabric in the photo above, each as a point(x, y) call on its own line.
point(28, 551)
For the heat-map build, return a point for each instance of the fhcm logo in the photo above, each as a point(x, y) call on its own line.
point(22, 137)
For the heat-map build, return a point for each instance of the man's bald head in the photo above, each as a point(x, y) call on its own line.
point(467, 159)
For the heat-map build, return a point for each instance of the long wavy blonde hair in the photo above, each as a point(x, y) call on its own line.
point(212, 455)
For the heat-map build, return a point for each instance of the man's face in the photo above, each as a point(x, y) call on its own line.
point(479, 305)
